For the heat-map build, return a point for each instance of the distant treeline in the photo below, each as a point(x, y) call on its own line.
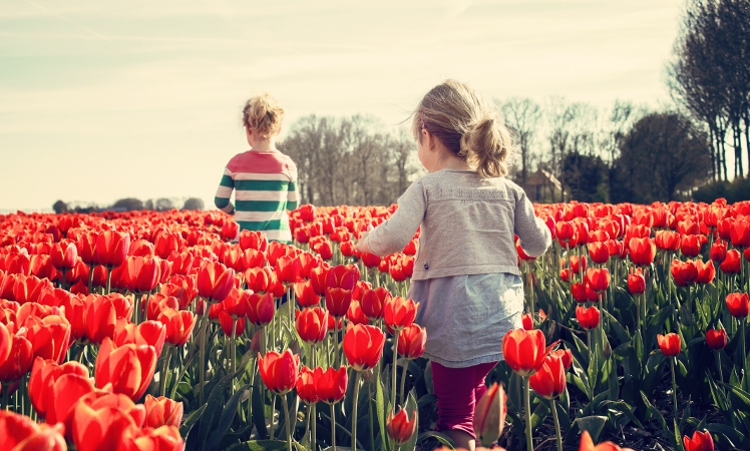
point(131, 204)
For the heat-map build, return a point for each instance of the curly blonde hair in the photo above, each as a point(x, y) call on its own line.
point(467, 125)
point(263, 114)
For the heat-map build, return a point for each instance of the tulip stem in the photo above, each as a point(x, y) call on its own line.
point(527, 403)
point(314, 428)
point(202, 356)
point(718, 365)
point(744, 352)
point(91, 278)
point(674, 387)
point(557, 425)
point(109, 278)
point(354, 411)
point(288, 426)
point(372, 422)
point(164, 370)
point(403, 384)
point(336, 342)
point(273, 415)
point(394, 369)
point(333, 426)
point(5, 397)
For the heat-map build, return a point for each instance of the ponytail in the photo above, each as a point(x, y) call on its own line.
point(487, 146)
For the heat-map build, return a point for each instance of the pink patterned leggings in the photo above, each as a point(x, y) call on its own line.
point(458, 390)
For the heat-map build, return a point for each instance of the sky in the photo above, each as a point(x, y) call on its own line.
point(102, 100)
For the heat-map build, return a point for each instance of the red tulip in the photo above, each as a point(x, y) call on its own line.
point(129, 368)
point(230, 231)
point(642, 251)
point(66, 390)
point(667, 240)
point(636, 282)
point(706, 271)
point(21, 433)
point(565, 355)
point(399, 312)
point(739, 233)
point(215, 281)
point(599, 252)
point(143, 274)
point(64, 256)
point(44, 374)
point(524, 350)
point(179, 325)
point(49, 337)
point(718, 251)
point(166, 244)
point(104, 428)
point(288, 269)
point(306, 385)
point(164, 438)
point(312, 325)
point(279, 371)
point(738, 304)
point(588, 318)
point(588, 445)
point(86, 246)
point(330, 385)
point(411, 341)
point(343, 276)
point(669, 344)
point(162, 411)
point(111, 248)
point(338, 300)
point(253, 240)
point(260, 309)
point(370, 260)
point(684, 273)
point(701, 441)
point(489, 415)
point(355, 315)
point(400, 428)
point(732, 263)
point(229, 324)
point(578, 290)
point(527, 321)
point(148, 333)
point(373, 302)
point(690, 245)
point(100, 317)
point(716, 339)
point(363, 346)
point(19, 360)
point(549, 381)
point(598, 279)
point(305, 294)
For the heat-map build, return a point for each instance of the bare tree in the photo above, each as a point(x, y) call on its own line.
point(523, 116)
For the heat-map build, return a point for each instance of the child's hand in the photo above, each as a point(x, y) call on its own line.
point(362, 245)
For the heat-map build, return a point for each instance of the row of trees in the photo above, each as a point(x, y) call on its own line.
point(349, 160)
point(131, 204)
point(710, 77)
point(624, 153)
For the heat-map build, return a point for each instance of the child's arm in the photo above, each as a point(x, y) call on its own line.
point(532, 231)
point(292, 199)
point(395, 233)
point(224, 193)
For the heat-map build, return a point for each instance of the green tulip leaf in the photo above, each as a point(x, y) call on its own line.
point(260, 445)
point(593, 424)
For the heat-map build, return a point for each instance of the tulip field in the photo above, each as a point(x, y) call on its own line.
point(147, 331)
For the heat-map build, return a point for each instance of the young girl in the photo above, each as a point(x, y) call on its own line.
point(265, 179)
point(466, 275)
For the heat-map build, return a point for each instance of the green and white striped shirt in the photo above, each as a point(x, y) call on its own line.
point(266, 186)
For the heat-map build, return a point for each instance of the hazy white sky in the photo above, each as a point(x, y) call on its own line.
point(103, 99)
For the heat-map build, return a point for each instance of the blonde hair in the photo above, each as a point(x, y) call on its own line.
point(263, 114)
point(467, 126)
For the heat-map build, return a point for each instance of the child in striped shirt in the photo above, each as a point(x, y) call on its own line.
point(265, 179)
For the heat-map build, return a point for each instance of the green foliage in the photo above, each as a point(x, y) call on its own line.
point(735, 191)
